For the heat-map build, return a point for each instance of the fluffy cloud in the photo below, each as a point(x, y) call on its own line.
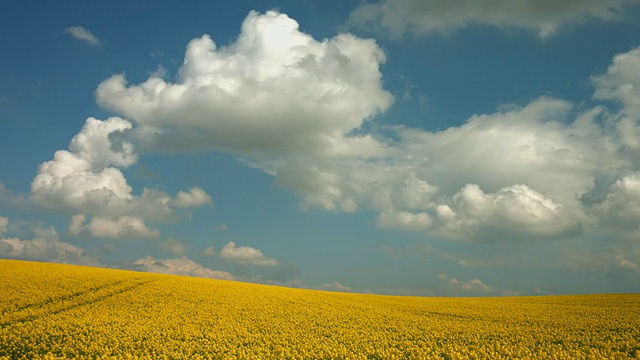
point(513, 210)
point(621, 82)
point(84, 178)
point(274, 90)
point(514, 172)
point(420, 16)
point(616, 205)
point(122, 227)
point(614, 199)
point(180, 266)
point(289, 105)
point(80, 33)
point(537, 145)
point(87, 179)
point(195, 197)
point(44, 246)
point(245, 255)
point(294, 107)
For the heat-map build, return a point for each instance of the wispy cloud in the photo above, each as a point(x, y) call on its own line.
point(335, 286)
point(179, 266)
point(80, 33)
point(6, 100)
point(397, 17)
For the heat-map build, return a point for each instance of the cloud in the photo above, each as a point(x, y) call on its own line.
point(274, 90)
point(87, 179)
point(398, 17)
point(44, 246)
point(619, 262)
point(196, 197)
point(624, 274)
point(174, 247)
point(335, 286)
point(80, 33)
point(180, 266)
point(617, 206)
point(210, 251)
point(512, 210)
point(514, 172)
point(245, 255)
point(621, 82)
point(307, 98)
point(454, 286)
point(122, 227)
point(294, 107)
point(4, 222)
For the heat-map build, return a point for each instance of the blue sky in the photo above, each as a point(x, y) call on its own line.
point(404, 147)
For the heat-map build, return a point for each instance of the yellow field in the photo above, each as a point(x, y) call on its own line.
point(52, 311)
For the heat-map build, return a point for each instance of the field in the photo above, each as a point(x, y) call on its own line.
point(53, 311)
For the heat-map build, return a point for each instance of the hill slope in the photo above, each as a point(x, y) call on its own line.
point(53, 310)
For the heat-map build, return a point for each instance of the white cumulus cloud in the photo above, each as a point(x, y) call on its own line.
point(87, 176)
point(44, 246)
point(294, 107)
point(195, 197)
point(621, 82)
point(245, 255)
point(274, 90)
point(122, 227)
point(87, 179)
point(617, 206)
point(515, 172)
point(512, 210)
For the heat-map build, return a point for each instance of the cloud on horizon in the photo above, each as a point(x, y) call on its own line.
point(179, 266)
point(44, 246)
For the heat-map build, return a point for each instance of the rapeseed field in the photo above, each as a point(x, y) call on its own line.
point(50, 311)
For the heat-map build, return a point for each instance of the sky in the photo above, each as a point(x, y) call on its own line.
point(410, 147)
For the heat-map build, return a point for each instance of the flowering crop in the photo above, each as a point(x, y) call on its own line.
point(52, 311)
